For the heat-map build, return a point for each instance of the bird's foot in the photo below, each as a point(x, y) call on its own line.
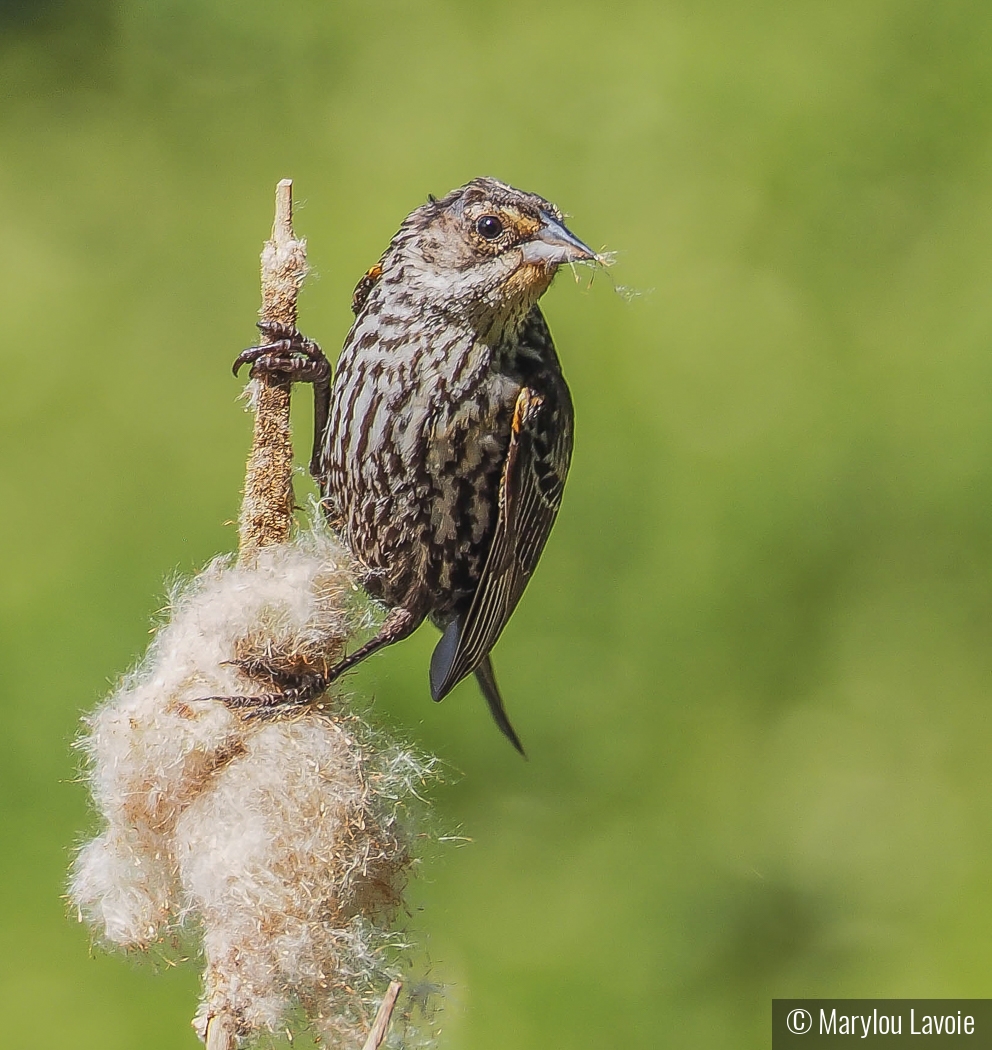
point(291, 692)
point(288, 356)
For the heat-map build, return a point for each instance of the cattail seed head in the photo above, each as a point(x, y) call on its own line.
point(285, 840)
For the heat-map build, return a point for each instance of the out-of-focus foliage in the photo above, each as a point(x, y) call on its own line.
point(754, 673)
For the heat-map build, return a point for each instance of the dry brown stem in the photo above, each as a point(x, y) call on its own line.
point(380, 1026)
point(220, 1033)
point(267, 507)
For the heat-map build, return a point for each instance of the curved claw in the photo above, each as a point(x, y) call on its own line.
point(275, 330)
point(255, 353)
point(246, 357)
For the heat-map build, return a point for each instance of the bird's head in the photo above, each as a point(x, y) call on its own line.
point(485, 248)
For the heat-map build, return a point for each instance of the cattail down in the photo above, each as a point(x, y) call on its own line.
point(283, 839)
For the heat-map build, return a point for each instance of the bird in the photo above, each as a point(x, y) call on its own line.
point(443, 442)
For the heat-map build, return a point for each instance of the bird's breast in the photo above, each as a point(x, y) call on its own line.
point(417, 438)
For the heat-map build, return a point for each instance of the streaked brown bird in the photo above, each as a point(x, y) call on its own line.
point(443, 448)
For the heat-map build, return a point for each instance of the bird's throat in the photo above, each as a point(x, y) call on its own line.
point(528, 282)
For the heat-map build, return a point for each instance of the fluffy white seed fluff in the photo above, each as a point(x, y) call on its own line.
point(280, 838)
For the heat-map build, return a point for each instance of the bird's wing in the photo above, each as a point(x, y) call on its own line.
point(529, 497)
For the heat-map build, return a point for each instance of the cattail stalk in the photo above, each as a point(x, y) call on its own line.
point(267, 508)
point(281, 833)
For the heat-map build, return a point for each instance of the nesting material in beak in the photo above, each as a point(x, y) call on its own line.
point(553, 245)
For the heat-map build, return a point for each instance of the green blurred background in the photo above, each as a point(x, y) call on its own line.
point(753, 672)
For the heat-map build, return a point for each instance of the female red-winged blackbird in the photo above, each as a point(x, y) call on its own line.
point(442, 454)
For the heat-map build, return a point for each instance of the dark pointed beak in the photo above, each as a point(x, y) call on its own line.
point(553, 244)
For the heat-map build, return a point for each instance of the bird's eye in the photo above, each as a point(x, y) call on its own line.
point(489, 227)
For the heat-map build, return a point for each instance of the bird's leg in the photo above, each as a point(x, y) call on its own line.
point(400, 623)
point(293, 690)
point(299, 690)
point(292, 358)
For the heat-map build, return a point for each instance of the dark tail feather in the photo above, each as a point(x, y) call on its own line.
point(441, 661)
point(444, 655)
point(487, 683)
